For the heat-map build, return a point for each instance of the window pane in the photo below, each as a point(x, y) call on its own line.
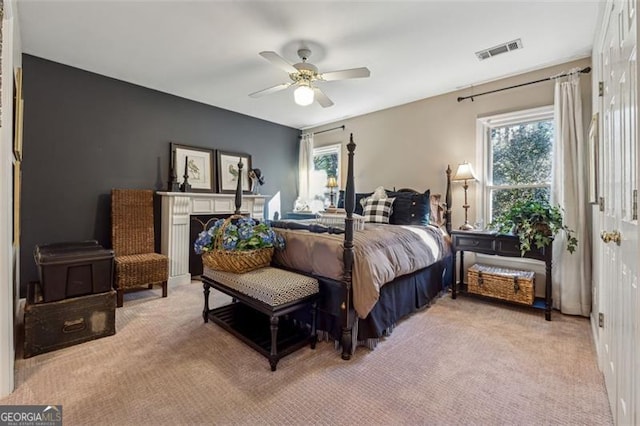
point(327, 162)
point(503, 199)
point(522, 153)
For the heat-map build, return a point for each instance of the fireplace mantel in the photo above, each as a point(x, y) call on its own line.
point(177, 207)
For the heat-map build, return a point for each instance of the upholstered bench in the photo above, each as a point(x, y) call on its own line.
point(260, 295)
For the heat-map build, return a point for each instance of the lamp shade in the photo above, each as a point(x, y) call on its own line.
point(303, 95)
point(464, 172)
point(332, 182)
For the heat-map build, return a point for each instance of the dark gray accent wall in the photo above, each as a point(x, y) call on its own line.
point(85, 134)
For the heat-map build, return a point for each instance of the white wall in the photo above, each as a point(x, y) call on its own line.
point(10, 59)
point(411, 145)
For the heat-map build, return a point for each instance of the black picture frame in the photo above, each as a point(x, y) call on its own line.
point(202, 176)
point(228, 161)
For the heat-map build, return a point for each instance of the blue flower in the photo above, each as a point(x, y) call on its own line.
point(203, 242)
point(229, 242)
point(243, 233)
point(246, 221)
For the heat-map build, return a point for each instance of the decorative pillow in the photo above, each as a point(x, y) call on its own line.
point(359, 203)
point(378, 211)
point(340, 203)
point(436, 214)
point(379, 193)
point(410, 208)
point(360, 199)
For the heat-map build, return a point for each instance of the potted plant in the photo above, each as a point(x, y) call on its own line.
point(237, 244)
point(535, 222)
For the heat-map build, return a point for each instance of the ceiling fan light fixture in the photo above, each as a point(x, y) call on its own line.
point(303, 75)
point(303, 95)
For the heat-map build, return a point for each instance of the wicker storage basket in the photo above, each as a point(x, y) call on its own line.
point(502, 283)
point(238, 261)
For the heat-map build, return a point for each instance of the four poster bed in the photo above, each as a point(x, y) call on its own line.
point(372, 277)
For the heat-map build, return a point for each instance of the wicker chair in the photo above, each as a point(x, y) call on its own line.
point(132, 236)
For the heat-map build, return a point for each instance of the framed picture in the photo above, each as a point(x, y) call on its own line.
point(18, 111)
point(199, 164)
point(593, 160)
point(228, 172)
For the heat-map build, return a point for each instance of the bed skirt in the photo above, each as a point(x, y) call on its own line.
point(399, 298)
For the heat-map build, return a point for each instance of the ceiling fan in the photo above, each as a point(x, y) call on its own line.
point(304, 75)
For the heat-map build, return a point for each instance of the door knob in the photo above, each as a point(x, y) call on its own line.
point(608, 237)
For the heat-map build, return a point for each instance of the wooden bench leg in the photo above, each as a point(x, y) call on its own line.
point(314, 313)
point(234, 317)
point(164, 289)
point(207, 290)
point(273, 357)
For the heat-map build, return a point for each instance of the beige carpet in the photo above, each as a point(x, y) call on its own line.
point(459, 362)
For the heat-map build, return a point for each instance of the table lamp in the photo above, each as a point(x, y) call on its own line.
point(465, 173)
point(332, 184)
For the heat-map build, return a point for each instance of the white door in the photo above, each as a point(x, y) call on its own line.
point(619, 262)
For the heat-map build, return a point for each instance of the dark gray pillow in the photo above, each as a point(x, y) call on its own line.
point(359, 196)
point(410, 208)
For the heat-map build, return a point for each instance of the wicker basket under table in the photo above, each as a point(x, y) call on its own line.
point(502, 283)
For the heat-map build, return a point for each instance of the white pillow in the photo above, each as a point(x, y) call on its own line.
point(379, 194)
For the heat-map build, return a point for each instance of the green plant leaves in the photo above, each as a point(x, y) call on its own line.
point(535, 222)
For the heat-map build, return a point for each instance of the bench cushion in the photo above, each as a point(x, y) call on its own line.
point(272, 286)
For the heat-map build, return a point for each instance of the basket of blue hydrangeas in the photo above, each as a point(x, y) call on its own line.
point(237, 244)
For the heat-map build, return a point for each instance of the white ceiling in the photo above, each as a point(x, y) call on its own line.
point(208, 50)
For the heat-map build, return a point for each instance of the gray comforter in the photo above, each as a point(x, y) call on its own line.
point(382, 253)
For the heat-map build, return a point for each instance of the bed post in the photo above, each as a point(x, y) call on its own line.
point(239, 189)
point(349, 205)
point(447, 200)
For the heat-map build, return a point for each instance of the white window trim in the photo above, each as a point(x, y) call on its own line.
point(483, 124)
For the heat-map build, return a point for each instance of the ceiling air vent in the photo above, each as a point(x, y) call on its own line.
point(501, 48)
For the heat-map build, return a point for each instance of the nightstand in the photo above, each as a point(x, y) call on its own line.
point(487, 242)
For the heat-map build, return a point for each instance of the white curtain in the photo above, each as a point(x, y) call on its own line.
point(305, 169)
point(571, 272)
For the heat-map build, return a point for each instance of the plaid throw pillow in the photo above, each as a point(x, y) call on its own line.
point(378, 211)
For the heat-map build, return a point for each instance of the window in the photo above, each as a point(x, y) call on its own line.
point(327, 158)
point(326, 163)
point(518, 153)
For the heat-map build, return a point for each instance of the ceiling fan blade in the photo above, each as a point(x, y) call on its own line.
point(278, 61)
point(344, 74)
point(322, 99)
point(270, 90)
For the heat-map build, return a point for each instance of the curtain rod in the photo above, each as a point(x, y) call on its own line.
point(586, 70)
point(328, 130)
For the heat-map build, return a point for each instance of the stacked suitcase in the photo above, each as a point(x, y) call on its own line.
point(73, 301)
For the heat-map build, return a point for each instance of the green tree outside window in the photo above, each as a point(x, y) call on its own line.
point(521, 163)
